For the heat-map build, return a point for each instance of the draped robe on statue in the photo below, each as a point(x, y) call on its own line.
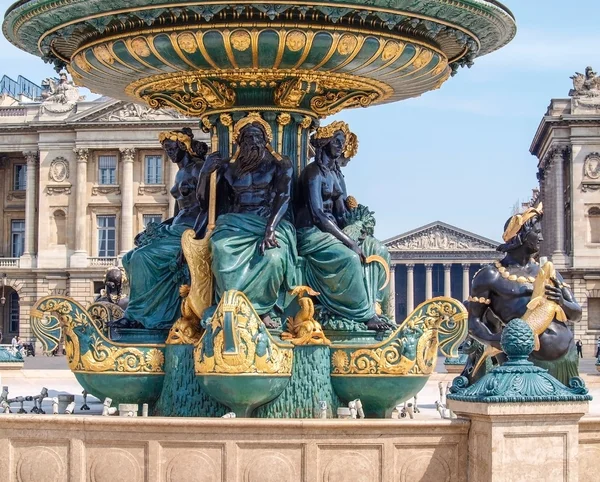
point(237, 263)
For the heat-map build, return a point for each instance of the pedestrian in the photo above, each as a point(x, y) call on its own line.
point(579, 346)
point(598, 348)
point(14, 342)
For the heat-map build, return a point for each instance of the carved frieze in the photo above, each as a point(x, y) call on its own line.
point(438, 238)
point(16, 195)
point(134, 112)
point(104, 190)
point(59, 170)
point(152, 189)
point(58, 189)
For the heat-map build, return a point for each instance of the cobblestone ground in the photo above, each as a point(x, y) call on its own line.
point(52, 373)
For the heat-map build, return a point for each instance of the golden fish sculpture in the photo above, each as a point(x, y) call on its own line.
point(540, 310)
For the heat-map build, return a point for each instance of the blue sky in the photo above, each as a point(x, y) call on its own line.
point(460, 154)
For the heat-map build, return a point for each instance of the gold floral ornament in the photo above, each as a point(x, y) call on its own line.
point(240, 40)
point(518, 221)
point(423, 59)
point(178, 137)
point(351, 144)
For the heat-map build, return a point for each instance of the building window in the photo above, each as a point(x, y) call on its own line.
point(107, 236)
point(153, 167)
point(152, 218)
point(13, 301)
point(107, 169)
point(17, 235)
point(20, 177)
point(594, 313)
point(594, 217)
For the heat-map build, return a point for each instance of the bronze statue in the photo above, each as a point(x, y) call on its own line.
point(253, 246)
point(155, 267)
point(334, 258)
point(503, 291)
point(113, 288)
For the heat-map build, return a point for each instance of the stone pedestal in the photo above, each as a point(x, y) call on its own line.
point(511, 442)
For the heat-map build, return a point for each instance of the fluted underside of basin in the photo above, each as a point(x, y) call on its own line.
point(310, 58)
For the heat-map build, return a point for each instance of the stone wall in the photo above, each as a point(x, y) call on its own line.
point(589, 448)
point(95, 449)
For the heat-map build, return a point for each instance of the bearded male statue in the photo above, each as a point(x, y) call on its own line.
point(253, 246)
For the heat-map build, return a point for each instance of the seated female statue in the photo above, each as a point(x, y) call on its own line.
point(155, 266)
point(335, 260)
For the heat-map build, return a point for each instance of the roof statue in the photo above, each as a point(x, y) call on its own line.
point(586, 89)
point(59, 97)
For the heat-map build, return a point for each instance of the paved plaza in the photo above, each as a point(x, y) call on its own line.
point(53, 373)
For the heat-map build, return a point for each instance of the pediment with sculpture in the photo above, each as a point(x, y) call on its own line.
point(131, 112)
point(440, 237)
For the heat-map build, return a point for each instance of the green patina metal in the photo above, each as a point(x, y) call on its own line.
point(309, 385)
point(7, 356)
point(182, 394)
point(518, 380)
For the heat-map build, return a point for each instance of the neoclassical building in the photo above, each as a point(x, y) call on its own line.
point(80, 179)
point(567, 146)
point(435, 260)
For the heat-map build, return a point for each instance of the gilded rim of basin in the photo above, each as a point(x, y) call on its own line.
point(381, 52)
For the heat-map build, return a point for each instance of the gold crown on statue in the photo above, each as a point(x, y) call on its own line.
point(253, 117)
point(351, 144)
point(177, 136)
point(518, 221)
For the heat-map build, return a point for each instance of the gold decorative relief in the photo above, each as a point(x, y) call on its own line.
point(392, 49)
point(236, 341)
point(423, 58)
point(333, 102)
point(295, 40)
point(103, 53)
point(240, 40)
point(347, 44)
point(187, 42)
point(140, 47)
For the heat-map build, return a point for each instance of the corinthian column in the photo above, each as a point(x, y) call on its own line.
point(80, 256)
point(28, 260)
point(466, 282)
point(447, 280)
point(558, 254)
point(392, 298)
point(428, 281)
point(410, 288)
point(127, 158)
point(172, 170)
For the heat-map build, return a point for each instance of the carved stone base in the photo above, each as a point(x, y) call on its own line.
point(521, 441)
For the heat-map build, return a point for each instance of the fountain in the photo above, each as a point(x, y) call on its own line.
point(264, 73)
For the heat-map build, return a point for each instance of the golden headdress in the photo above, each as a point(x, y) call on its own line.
point(518, 221)
point(177, 136)
point(351, 144)
point(253, 117)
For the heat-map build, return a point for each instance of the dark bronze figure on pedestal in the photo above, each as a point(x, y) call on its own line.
point(503, 291)
point(253, 246)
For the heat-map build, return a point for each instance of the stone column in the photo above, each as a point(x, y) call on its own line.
point(172, 170)
point(428, 281)
point(410, 288)
point(558, 254)
point(447, 280)
point(466, 281)
point(79, 259)
point(127, 158)
point(28, 260)
point(392, 298)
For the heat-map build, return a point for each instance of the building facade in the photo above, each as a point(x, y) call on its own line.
point(567, 146)
point(80, 180)
point(435, 260)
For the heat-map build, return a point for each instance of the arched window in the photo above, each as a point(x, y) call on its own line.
point(594, 220)
point(59, 234)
